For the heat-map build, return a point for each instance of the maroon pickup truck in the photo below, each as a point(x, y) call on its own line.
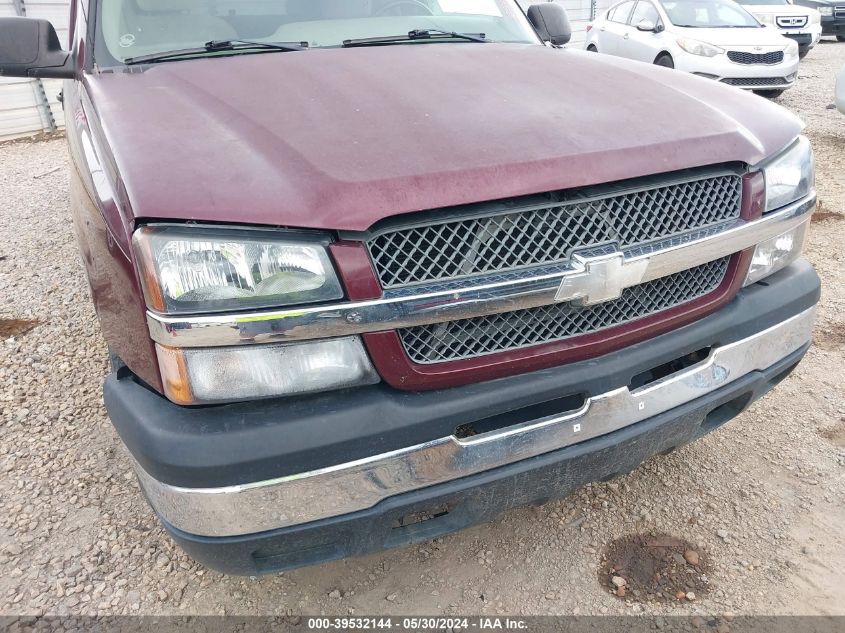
point(371, 271)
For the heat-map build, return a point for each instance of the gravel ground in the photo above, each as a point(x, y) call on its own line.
point(761, 498)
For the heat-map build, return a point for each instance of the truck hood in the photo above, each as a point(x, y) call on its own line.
point(341, 138)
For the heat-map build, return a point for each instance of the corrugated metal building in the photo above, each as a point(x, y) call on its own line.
point(31, 106)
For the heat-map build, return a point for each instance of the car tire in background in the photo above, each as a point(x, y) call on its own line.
point(769, 94)
point(592, 48)
point(665, 60)
point(803, 54)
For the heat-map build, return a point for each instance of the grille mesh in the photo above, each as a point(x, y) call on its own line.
point(461, 247)
point(756, 81)
point(469, 338)
point(741, 57)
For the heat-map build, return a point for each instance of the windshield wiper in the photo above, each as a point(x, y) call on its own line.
point(416, 35)
point(217, 46)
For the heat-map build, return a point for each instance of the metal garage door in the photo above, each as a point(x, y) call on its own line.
point(29, 106)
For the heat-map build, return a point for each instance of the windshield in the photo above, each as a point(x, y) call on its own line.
point(769, 2)
point(133, 28)
point(708, 14)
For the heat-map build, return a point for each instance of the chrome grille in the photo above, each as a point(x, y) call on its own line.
point(549, 231)
point(469, 338)
point(839, 12)
point(791, 21)
point(741, 57)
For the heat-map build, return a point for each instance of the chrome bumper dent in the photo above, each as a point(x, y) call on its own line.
point(490, 294)
point(353, 486)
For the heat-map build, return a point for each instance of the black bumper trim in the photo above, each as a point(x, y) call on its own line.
point(833, 26)
point(804, 40)
point(482, 497)
point(208, 447)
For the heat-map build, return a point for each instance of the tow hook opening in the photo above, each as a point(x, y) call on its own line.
point(421, 516)
point(725, 412)
point(522, 415)
point(667, 369)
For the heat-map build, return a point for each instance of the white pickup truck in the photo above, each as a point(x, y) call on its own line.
point(798, 23)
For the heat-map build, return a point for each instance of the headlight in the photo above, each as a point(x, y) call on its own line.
point(226, 374)
point(826, 11)
point(815, 18)
point(790, 176)
point(792, 48)
point(201, 269)
point(699, 48)
point(764, 18)
point(777, 253)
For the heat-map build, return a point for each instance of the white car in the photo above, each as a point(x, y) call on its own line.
point(802, 24)
point(839, 90)
point(716, 39)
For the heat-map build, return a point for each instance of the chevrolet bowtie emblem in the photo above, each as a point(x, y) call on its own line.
point(600, 279)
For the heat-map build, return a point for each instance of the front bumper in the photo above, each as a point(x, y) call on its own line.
point(353, 486)
point(833, 25)
point(806, 37)
point(258, 487)
point(748, 76)
point(441, 509)
point(805, 41)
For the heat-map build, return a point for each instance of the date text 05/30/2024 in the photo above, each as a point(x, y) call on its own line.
point(417, 624)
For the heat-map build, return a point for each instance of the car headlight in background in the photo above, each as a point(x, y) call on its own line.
point(187, 269)
point(211, 375)
point(777, 253)
point(764, 18)
point(790, 176)
point(826, 11)
point(696, 47)
point(815, 16)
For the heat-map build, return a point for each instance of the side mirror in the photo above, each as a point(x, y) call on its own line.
point(31, 48)
point(646, 25)
point(551, 23)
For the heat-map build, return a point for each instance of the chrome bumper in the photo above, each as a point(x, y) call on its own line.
point(354, 486)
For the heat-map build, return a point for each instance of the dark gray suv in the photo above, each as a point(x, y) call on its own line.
point(833, 15)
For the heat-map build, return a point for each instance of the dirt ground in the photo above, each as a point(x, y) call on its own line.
point(763, 498)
